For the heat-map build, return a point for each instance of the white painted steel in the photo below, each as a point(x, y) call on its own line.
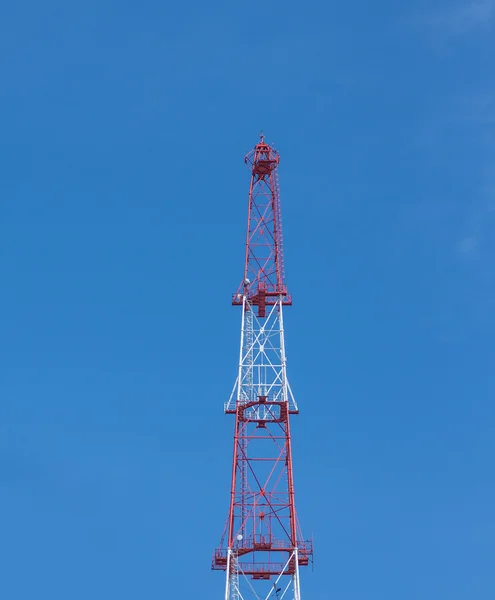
point(262, 362)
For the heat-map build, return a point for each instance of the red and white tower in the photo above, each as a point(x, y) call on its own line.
point(262, 546)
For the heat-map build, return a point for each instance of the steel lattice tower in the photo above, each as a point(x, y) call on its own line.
point(262, 546)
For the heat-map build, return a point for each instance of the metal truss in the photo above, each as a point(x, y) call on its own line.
point(263, 542)
point(262, 361)
point(262, 547)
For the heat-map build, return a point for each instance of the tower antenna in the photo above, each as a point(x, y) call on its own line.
point(262, 546)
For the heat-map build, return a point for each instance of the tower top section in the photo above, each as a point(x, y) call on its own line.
point(264, 279)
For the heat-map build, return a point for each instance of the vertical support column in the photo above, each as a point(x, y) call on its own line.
point(290, 476)
point(295, 577)
point(227, 573)
point(247, 396)
point(285, 392)
point(242, 350)
point(232, 577)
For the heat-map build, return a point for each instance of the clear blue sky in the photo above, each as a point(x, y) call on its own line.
point(123, 203)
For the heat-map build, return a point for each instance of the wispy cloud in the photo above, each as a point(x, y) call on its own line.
point(468, 244)
point(463, 18)
point(458, 139)
point(476, 239)
point(476, 114)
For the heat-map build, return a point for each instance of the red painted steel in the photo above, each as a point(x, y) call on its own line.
point(264, 278)
point(262, 507)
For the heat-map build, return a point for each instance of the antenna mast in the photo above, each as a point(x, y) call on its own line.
point(262, 546)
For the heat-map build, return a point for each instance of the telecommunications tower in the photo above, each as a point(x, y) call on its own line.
point(262, 546)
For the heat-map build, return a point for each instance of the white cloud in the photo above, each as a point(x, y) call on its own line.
point(459, 135)
point(467, 246)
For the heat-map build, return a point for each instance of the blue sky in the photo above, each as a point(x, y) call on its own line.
point(123, 192)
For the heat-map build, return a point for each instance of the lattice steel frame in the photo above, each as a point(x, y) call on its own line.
point(262, 544)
